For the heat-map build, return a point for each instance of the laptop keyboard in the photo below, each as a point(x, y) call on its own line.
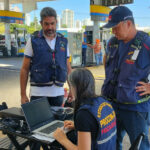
point(52, 127)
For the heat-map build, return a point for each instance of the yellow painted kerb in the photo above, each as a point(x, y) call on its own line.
point(99, 9)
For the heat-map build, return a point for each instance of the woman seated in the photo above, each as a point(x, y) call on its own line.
point(94, 117)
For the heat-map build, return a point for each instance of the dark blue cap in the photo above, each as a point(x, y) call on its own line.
point(118, 14)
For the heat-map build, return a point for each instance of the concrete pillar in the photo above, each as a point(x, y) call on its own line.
point(7, 30)
point(96, 33)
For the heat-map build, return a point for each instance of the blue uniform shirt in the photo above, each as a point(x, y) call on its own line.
point(85, 41)
point(142, 107)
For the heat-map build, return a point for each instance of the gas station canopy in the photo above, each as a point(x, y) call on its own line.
point(115, 2)
point(11, 17)
point(21, 1)
point(8, 16)
point(110, 2)
point(28, 5)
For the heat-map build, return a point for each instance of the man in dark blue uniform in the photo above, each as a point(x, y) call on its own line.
point(127, 65)
point(84, 48)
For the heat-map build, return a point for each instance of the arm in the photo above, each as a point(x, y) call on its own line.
point(84, 125)
point(61, 137)
point(89, 45)
point(68, 124)
point(70, 96)
point(24, 79)
point(84, 140)
point(69, 69)
point(144, 88)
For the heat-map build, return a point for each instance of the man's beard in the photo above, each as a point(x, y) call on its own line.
point(49, 33)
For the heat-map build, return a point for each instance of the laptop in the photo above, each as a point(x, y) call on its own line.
point(39, 117)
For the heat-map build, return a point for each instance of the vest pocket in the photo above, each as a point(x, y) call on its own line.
point(40, 76)
point(126, 92)
point(61, 74)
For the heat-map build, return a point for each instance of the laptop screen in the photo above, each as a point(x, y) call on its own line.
point(37, 113)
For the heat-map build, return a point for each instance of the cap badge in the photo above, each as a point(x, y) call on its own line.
point(110, 17)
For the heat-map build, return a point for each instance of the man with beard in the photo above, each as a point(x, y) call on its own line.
point(46, 57)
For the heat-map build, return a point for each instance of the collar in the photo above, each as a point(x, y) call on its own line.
point(42, 35)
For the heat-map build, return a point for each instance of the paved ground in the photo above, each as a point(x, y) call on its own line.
point(98, 72)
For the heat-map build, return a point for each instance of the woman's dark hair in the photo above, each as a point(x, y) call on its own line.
point(84, 83)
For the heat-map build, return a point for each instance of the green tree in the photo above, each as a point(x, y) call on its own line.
point(64, 26)
point(34, 26)
point(35, 23)
point(83, 27)
point(14, 25)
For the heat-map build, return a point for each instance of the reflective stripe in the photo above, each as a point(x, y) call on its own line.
point(46, 83)
point(107, 139)
point(33, 83)
point(59, 82)
point(139, 101)
point(146, 98)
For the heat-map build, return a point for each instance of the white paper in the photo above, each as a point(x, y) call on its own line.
point(135, 55)
point(44, 138)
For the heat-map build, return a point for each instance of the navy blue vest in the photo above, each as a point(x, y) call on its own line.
point(121, 79)
point(48, 67)
point(106, 119)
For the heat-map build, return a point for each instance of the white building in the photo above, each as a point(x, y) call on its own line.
point(58, 22)
point(78, 24)
point(87, 22)
point(27, 19)
point(68, 18)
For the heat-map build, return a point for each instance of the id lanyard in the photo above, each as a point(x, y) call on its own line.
point(53, 56)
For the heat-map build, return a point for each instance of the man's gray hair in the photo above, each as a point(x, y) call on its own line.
point(48, 12)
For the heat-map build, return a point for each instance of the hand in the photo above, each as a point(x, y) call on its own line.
point(69, 124)
point(59, 135)
point(144, 88)
point(24, 99)
point(70, 97)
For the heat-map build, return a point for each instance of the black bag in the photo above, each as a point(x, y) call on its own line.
point(62, 113)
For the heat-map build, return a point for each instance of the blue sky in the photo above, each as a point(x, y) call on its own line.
point(141, 12)
point(81, 8)
point(140, 8)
